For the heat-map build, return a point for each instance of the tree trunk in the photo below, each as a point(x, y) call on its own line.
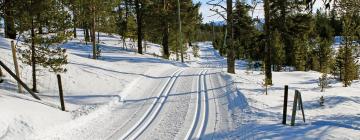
point(9, 21)
point(165, 40)
point(180, 33)
point(33, 59)
point(230, 36)
point(87, 35)
point(98, 37)
point(74, 22)
point(268, 74)
point(165, 37)
point(139, 25)
point(93, 36)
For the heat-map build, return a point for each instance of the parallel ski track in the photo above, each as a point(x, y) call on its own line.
point(141, 125)
point(198, 125)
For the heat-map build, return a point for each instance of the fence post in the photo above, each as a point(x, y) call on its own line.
point(301, 105)
point(294, 109)
point(61, 92)
point(285, 103)
point(13, 50)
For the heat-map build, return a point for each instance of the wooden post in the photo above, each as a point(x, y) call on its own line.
point(13, 49)
point(19, 80)
point(285, 103)
point(294, 109)
point(61, 92)
point(301, 105)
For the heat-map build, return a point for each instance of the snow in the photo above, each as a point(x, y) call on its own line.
point(91, 87)
point(107, 97)
point(262, 116)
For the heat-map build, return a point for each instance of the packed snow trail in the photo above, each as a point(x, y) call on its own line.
point(152, 112)
point(202, 109)
point(166, 103)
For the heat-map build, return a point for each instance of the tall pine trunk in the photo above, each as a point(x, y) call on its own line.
point(268, 74)
point(87, 35)
point(93, 26)
point(33, 59)
point(230, 37)
point(165, 40)
point(139, 25)
point(74, 26)
point(180, 33)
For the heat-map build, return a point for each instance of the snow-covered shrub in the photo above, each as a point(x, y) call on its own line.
point(323, 82)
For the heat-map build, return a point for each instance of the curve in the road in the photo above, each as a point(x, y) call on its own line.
point(153, 111)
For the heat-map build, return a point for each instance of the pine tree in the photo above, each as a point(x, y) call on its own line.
point(349, 12)
point(244, 30)
point(323, 49)
point(55, 19)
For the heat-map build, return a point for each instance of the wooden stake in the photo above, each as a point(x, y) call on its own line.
point(285, 103)
point(294, 109)
point(61, 92)
point(13, 49)
point(301, 105)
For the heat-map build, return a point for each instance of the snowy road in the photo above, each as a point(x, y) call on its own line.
point(165, 103)
point(186, 106)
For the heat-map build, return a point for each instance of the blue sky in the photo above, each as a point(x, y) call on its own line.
point(207, 14)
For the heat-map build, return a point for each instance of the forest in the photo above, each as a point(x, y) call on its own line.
point(291, 33)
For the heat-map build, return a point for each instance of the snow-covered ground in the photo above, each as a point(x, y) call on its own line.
point(89, 86)
point(260, 115)
point(127, 95)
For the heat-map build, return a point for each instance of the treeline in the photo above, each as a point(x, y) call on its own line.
point(292, 35)
point(44, 24)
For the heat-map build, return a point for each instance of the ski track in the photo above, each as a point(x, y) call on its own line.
point(153, 111)
point(200, 119)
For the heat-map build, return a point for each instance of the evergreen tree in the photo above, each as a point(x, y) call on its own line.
point(323, 49)
point(349, 12)
point(55, 20)
point(244, 30)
